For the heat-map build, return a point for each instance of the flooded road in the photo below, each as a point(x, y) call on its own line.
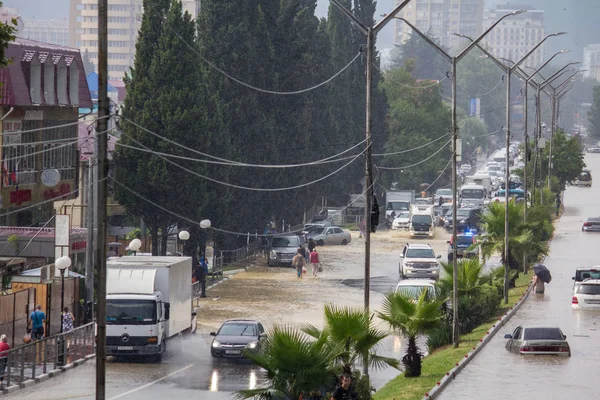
point(495, 371)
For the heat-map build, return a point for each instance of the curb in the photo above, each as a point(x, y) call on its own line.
point(46, 376)
point(451, 375)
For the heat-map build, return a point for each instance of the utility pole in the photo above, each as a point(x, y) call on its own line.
point(89, 249)
point(102, 140)
point(370, 32)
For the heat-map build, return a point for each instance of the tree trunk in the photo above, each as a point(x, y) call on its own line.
point(164, 237)
point(154, 237)
point(412, 360)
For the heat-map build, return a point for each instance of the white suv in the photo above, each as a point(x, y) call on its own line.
point(413, 288)
point(419, 261)
point(587, 295)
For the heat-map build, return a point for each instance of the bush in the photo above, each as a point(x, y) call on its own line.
point(490, 299)
point(439, 337)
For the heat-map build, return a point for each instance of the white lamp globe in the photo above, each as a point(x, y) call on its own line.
point(62, 263)
point(135, 244)
point(205, 223)
point(184, 235)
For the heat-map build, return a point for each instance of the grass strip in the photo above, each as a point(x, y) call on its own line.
point(444, 359)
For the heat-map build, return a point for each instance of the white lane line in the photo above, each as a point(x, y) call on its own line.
point(151, 383)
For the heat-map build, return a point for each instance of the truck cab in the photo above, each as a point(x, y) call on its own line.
point(422, 221)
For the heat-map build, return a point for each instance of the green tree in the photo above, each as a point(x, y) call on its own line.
point(412, 319)
point(354, 331)
point(594, 114)
point(567, 160)
point(8, 31)
point(295, 364)
point(88, 65)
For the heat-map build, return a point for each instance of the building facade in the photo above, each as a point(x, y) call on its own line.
point(46, 31)
point(124, 23)
point(517, 35)
point(41, 93)
point(591, 61)
point(440, 19)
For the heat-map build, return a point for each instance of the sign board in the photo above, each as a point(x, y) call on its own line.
point(61, 237)
point(458, 150)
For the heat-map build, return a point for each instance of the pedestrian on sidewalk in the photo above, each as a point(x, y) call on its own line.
point(558, 203)
point(67, 320)
point(299, 261)
point(311, 245)
point(4, 348)
point(314, 262)
point(37, 318)
point(361, 228)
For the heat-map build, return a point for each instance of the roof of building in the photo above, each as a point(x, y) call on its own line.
point(92, 81)
point(15, 79)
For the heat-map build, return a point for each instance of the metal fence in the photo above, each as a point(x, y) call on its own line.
point(233, 257)
point(31, 360)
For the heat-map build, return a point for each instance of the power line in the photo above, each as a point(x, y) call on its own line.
point(490, 91)
point(213, 66)
point(413, 149)
point(420, 162)
point(45, 128)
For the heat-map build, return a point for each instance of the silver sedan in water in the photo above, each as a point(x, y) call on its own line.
point(538, 340)
point(330, 235)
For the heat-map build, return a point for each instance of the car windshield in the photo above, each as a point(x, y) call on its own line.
point(463, 240)
point(286, 242)
point(237, 329)
point(463, 213)
point(587, 274)
point(420, 253)
point(543, 334)
point(316, 230)
point(130, 311)
point(443, 192)
point(472, 193)
point(421, 219)
point(414, 292)
point(398, 205)
point(586, 288)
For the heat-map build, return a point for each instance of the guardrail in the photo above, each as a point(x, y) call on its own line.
point(231, 257)
point(34, 359)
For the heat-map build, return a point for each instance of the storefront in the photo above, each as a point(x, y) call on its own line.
point(39, 243)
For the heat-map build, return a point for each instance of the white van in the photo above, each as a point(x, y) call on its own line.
point(422, 220)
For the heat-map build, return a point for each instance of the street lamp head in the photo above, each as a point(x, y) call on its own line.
point(205, 224)
point(565, 51)
point(558, 34)
point(518, 12)
point(62, 263)
point(135, 245)
point(184, 235)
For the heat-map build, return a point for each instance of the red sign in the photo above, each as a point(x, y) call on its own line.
point(79, 245)
point(19, 197)
point(63, 189)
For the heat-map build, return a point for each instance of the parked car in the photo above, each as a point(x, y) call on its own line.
point(584, 178)
point(235, 336)
point(582, 274)
point(463, 242)
point(401, 221)
point(538, 340)
point(419, 261)
point(592, 224)
point(330, 235)
point(587, 295)
point(283, 248)
point(413, 288)
point(593, 149)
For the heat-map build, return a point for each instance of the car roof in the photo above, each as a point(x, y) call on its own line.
point(250, 321)
point(415, 282)
point(593, 219)
point(540, 327)
point(588, 268)
point(418, 246)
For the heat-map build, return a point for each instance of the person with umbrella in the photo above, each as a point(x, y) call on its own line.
point(542, 276)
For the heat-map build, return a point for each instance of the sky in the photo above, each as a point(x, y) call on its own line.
point(581, 18)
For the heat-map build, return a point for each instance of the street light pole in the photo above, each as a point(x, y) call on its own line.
point(454, 62)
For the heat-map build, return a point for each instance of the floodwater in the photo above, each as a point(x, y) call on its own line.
point(496, 371)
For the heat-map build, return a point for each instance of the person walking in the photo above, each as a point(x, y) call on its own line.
point(4, 348)
point(314, 262)
point(361, 228)
point(67, 320)
point(37, 318)
point(344, 392)
point(299, 261)
point(558, 203)
point(311, 245)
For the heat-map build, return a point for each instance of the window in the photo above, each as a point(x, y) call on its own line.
point(49, 94)
point(74, 83)
point(35, 85)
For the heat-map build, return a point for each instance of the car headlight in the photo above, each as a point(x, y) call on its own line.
point(464, 221)
point(216, 344)
point(252, 345)
point(273, 254)
point(409, 264)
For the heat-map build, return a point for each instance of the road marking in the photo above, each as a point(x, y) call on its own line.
point(151, 383)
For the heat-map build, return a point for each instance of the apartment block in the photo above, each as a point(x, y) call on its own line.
point(591, 61)
point(124, 23)
point(440, 19)
point(46, 31)
point(516, 35)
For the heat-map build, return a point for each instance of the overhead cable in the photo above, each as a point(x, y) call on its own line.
point(420, 162)
point(413, 149)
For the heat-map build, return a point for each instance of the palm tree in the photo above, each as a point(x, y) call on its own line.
point(412, 319)
point(352, 329)
point(471, 278)
point(296, 365)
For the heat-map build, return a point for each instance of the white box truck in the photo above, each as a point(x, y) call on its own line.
point(148, 302)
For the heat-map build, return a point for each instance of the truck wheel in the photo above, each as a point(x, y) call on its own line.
point(321, 243)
